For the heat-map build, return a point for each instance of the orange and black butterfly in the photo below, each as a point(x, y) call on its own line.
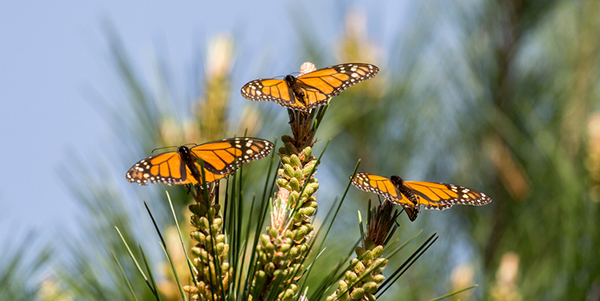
point(412, 194)
point(181, 167)
point(309, 90)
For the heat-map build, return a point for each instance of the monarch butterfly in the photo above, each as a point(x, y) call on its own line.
point(412, 194)
point(181, 166)
point(309, 90)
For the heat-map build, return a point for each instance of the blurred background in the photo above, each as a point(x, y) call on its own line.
point(499, 96)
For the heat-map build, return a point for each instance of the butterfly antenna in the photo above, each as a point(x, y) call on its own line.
point(159, 148)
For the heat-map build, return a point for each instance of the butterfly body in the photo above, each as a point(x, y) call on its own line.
point(220, 158)
point(296, 91)
point(404, 190)
point(309, 90)
point(189, 161)
point(413, 194)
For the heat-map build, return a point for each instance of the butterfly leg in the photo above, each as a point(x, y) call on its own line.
point(291, 115)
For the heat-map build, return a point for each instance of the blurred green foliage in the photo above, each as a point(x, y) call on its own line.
point(22, 267)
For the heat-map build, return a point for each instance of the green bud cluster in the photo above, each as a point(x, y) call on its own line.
point(285, 244)
point(210, 254)
point(369, 266)
point(294, 174)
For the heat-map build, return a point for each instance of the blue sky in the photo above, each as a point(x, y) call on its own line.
point(54, 62)
point(54, 58)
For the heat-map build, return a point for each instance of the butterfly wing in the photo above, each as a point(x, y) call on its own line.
point(412, 212)
point(431, 195)
point(375, 184)
point(165, 168)
point(275, 90)
point(324, 83)
point(220, 159)
point(317, 86)
point(384, 187)
point(208, 176)
point(223, 157)
point(442, 196)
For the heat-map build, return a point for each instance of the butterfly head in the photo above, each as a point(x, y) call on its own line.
point(397, 181)
point(184, 150)
point(290, 79)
